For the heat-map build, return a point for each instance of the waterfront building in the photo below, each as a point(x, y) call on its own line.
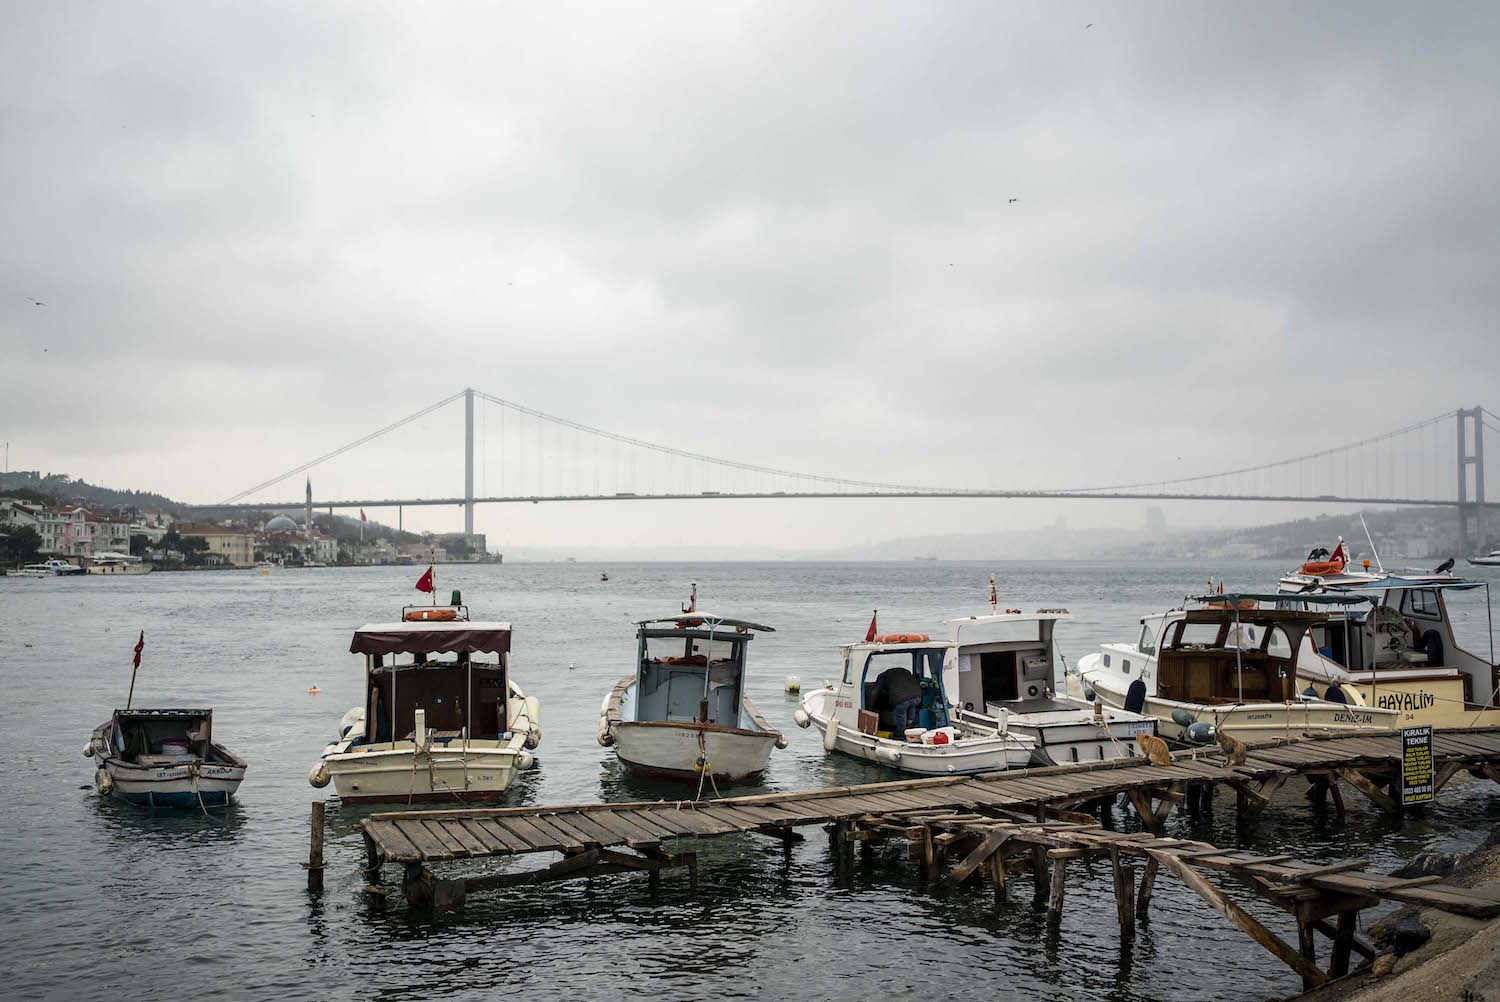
point(227, 545)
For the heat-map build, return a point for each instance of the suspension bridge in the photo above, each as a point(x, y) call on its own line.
point(1438, 462)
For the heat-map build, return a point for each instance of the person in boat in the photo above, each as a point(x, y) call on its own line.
point(899, 693)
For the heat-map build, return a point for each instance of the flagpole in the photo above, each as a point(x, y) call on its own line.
point(135, 666)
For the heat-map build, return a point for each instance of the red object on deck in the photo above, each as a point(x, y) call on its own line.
point(870, 633)
point(424, 583)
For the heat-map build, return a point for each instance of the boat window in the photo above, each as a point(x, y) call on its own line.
point(848, 662)
point(1147, 643)
point(1198, 635)
point(1278, 644)
point(1421, 602)
point(1106, 660)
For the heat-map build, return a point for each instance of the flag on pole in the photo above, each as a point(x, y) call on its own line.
point(362, 515)
point(140, 645)
point(1339, 556)
point(424, 583)
point(994, 598)
point(870, 633)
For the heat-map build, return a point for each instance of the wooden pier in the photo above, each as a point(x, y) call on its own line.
point(988, 826)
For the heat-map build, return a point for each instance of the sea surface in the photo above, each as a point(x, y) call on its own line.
point(102, 900)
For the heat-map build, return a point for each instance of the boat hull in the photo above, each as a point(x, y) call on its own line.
point(670, 751)
point(1438, 702)
point(190, 784)
point(114, 569)
point(965, 757)
point(406, 775)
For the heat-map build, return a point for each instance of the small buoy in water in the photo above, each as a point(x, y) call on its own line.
point(313, 690)
point(572, 665)
point(265, 570)
point(793, 684)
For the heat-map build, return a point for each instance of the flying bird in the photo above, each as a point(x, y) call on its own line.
point(1014, 201)
point(35, 302)
point(1088, 26)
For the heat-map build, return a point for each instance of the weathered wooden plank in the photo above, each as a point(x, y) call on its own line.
point(561, 823)
point(560, 838)
point(472, 846)
point(491, 844)
point(393, 845)
point(453, 845)
point(666, 817)
point(427, 843)
point(593, 830)
point(623, 827)
point(1359, 781)
point(503, 835)
point(991, 844)
point(648, 824)
point(528, 833)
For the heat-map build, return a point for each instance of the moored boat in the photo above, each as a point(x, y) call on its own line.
point(1394, 646)
point(163, 758)
point(1228, 665)
point(1490, 559)
point(902, 675)
point(117, 563)
point(1001, 672)
point(440, 720)
point(685, 715)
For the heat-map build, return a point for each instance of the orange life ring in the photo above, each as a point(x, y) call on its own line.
point(431, 615)
point(1318, 568)
point(902, 638)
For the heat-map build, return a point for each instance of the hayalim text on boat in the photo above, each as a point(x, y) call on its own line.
point(441, 718)
point(685, 713)
point(1229, 665)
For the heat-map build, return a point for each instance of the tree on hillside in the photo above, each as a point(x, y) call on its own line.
point(20, 545)
point(139, 545)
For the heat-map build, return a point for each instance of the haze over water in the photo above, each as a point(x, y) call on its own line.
point(105, 900)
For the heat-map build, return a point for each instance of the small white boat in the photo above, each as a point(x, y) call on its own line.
point(117, 563)
point(684, 713)
point(1490, 559)
point(439, 721)
point(1001, 671)
point(49, 569)
point(163, 758)
point(1228, 665)
point(854, 720)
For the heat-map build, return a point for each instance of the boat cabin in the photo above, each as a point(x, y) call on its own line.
point(162, 737)
point(454, 672)
point(864, 664)
point(691, 668)
point(1219, 655)
point(1004, 661)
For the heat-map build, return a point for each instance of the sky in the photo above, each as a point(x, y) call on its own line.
point(971, 244)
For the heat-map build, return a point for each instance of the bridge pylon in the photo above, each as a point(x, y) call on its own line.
point(469, 462)
point(1471, 500)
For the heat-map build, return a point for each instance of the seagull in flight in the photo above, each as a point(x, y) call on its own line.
point(35, 302)
point(1088, 26)
point(1013, 201)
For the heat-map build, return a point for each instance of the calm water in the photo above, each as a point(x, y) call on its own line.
point(106, 899)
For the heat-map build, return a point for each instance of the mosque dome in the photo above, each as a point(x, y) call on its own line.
point(281, 524)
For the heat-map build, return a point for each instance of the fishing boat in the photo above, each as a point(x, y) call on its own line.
point(856, 718)
point(685, 714)
point(117, 563)
point(1001, 671)
point(441, 718)
point(163, 758)
point(1490, 559)
point(1393, 644)
point(1227, 665)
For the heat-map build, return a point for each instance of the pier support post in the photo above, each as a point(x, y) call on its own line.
point(1124, 893)
point(372, 861)
point(1059, 881)
point(1343, 945)
point(1148, 884)
point(315, 850)
point(1307, 946)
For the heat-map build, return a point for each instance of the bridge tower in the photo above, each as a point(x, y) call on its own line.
point(469, 462)
point(1471, 456)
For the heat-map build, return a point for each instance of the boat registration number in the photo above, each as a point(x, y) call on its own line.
point(1139, 727)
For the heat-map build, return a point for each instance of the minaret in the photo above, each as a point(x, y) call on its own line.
point(308, 525)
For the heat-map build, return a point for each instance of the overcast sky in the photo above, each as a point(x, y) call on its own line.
point(958, 243)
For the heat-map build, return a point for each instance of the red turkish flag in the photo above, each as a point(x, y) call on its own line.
point(424, 583)
point(362, 515)
point(870, 633)
point(140, 645)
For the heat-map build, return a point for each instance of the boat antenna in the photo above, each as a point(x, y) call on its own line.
point(1371, 541)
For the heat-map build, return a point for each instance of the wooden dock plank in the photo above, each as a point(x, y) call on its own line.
point(666, 817)
point(564, 824)
point(527, 832)
point(473, 845)
point(503, 835)
point(585, 823)
point(648, 824)
point(428, 844)
point(487, 839)
point(624, 827)
point(451, 844)
point(565, 840)
point(393, 845)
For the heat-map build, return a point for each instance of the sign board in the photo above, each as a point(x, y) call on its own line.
point(1416, 765)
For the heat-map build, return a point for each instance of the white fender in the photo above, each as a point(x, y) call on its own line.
point(605, 737)
point(887, 755)
point(318, 775)
point(104, 781)
point(800, 717)
point(354, 716)
point(524, 760)
point(781, 741)
point(88, 749)
point(534, 715)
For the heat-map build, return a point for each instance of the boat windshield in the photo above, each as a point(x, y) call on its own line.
point(908, 670)
point(685, 673)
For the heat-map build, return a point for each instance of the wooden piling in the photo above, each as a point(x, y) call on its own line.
point(315, 851)
point(1124, 893)
point(1148, 884)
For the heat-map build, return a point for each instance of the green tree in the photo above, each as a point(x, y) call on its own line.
point(194, 550)
point(139, 545)
point(20, 545)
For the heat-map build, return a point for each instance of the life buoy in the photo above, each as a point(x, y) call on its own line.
point(431, 615)
point(1318, 568)
point(902, 638)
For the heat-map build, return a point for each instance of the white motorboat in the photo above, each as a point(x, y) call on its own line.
point(439, 722)
point(1230, 665)
point(163, 758)
point(1490, 559)
point(117, 563)
point(854, 720)
point(50, 568)
point(1001, 672)
point(1393, 644)
point(685, 713)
